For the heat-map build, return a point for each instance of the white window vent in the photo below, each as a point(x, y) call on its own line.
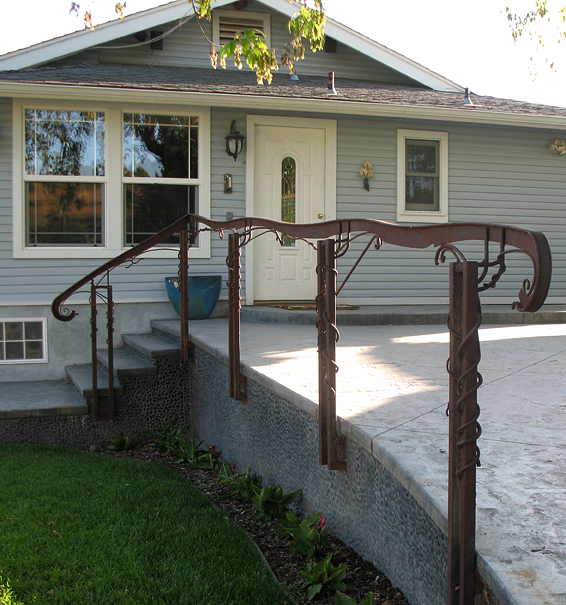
point(225, 24)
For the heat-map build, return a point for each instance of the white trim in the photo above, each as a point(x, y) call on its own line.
point(330, 161)
point(426, 216)
point(76, 42)
point(325, 104)
point(43, 320)
point(112, 213)
point(79, 41)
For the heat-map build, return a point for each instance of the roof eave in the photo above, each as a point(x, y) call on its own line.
point(70, 44)
point(73, 43)
point(100, 94)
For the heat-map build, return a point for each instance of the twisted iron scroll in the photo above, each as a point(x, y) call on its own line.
point(464, 354)
point(532, 243)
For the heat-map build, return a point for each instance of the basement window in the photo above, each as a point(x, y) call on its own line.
point(225, 25)
point(22, 341)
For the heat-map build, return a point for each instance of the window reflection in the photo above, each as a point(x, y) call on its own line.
point(152, 207)
point(160, 146)
point(64, 143)
point(288, 197)
point(64, 213)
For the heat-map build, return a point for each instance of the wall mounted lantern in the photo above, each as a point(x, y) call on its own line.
point(234, 142)
point(559, 146)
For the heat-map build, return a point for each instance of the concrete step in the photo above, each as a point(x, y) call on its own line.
point(81, 377)
point(171, 328)
point(127, 363)
point(43, 398)
point(153, 346)
point(399, 315)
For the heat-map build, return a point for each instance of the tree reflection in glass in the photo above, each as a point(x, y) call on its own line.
point(288, 198)
point(63, 147)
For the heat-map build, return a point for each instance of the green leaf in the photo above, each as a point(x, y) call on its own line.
point(313, 591)
point(342, 599)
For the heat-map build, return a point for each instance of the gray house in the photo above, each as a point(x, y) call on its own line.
point(107, 136)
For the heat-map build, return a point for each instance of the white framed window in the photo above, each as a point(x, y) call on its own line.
point(64, 177)
point(23, 340)
point(160, 172)
point(226, 23)
point(422, 176)
point(91, 181)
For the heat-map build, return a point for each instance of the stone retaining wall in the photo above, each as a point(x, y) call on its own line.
point(366, 507)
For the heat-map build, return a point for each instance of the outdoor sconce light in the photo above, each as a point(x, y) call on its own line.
point(234, 142)
point(559, 146)
point(366, 173)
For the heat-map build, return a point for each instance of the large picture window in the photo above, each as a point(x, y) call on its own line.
point(91, 182)
point(422, 176)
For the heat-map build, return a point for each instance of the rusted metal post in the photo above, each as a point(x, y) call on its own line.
point(238, 381)
point(464, 430)
point(186, 348)
point(93, 347)
point(110, 345)
point(322, 338)
point(334, 445)
point(100, 412)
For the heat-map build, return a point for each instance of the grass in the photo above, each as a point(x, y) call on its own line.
point(80, 528)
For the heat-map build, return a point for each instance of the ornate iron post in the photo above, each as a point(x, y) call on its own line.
point(186, 345)
point(464, 430)
point(332, 446)
point(237, 379)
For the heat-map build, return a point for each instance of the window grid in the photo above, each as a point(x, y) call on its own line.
point(110, 222)
point(22, 341)
point(422, 176)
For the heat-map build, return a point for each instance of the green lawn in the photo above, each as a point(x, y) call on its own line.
point(78, 528)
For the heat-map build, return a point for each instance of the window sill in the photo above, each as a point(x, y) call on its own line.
point(422, 217)
point(41, 252)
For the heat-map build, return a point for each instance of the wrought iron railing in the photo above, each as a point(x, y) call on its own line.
point(333, 240)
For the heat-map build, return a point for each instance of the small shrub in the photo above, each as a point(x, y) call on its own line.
point(188, 451)
point(309, 537)
point(168, 438)
point(240, 484)
point(271, 502)
point(122, 444)
point(323, 574)
point(342, 599)
point(171, 440)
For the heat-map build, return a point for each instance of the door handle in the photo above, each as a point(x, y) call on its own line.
point(320, 215)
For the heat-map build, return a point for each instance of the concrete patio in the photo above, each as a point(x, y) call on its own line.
point(392, 394)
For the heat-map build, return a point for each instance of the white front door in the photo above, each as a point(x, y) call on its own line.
point(290, 185)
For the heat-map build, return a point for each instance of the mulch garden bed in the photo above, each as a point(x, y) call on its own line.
point(361, 579)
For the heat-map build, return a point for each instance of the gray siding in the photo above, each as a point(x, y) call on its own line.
point(500, 175)
point(496, 174)
point(186, 47)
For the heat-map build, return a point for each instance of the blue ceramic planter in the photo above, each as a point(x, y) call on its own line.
point(204, 291)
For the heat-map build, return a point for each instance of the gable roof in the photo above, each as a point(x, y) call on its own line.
point(181, 10)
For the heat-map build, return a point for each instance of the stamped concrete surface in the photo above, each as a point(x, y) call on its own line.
point(392, 393)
